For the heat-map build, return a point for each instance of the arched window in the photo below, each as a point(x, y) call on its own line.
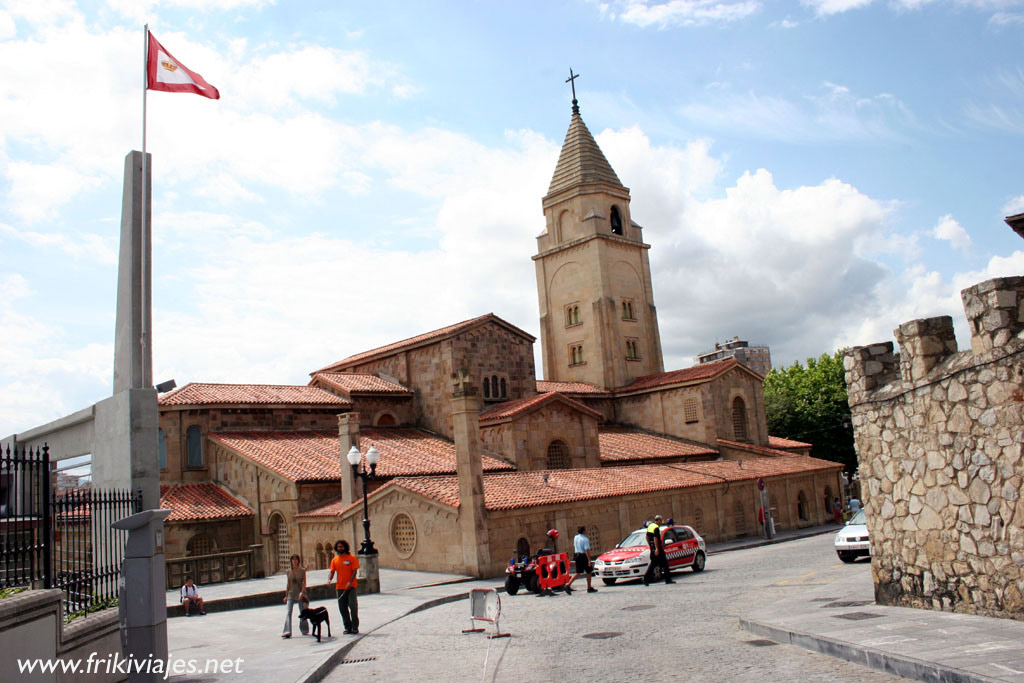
point(739, 419)
point(594, 534)
point(279, 546)
point(494, 385)
point(194, 444)
point(698, 521)
point(522, 548)
point(487, 387)
point(801, 506)
point(558, 455)
point(616, 221)
point(504, 388)
point(200, 544)
point(386, 420)
point(576, 315)
point(161, 448)
point(321, 556)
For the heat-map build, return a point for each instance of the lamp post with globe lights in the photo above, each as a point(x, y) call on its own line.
point(372, 458)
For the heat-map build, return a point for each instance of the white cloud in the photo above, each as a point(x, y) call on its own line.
point(645, 13)
point(950, 230)
point(834, 114)
point(7, 28)
point(92, 247)
point(1014, 206)
point(824, 8)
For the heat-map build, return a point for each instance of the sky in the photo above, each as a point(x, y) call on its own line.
point(809, 173)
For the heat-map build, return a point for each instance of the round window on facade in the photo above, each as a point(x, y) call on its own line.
point(403, 534)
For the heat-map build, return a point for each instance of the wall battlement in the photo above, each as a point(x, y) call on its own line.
point(939, 435)
point(995, 316)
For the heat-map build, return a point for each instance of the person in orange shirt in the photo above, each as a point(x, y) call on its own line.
point(345, 564)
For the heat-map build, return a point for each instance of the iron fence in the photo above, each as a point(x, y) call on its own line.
point(59, 539)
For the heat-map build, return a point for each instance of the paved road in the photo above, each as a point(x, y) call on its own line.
point(668, 632)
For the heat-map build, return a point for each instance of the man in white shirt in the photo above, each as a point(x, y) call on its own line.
point(190, 596)
point(854, 505)
point(581, 550)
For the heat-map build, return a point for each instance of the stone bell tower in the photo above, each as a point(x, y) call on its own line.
point(597, 317)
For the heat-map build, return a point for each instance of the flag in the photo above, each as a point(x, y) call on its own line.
point(166, 73)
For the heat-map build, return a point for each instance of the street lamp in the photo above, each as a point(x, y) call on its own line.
point(372, 458)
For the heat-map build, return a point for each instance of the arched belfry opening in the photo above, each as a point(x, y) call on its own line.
point(616, 221)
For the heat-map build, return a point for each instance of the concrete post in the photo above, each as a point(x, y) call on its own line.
point(141, 596)
point(133, 351)
point(476, 546)
point(348, 436)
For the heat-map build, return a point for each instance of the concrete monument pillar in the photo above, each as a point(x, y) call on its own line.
point(476, 545)
point(348, 436)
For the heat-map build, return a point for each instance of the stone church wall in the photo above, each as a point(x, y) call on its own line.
point(939, 435)
point(665, 411)
point(525, 441)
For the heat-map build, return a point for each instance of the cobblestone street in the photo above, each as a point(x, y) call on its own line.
point(668, 632)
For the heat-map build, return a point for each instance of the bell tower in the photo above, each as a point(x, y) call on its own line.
point(598, 323)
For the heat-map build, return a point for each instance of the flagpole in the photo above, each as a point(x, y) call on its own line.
point(144, 259)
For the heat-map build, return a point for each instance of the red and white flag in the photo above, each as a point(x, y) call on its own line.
point(168, 74)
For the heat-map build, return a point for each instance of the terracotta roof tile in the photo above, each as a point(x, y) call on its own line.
point(622, 444)
point(314, 455)
point(520, 406)
point(426, 337)
point(199, 393)
point(514, 490)
point(696, 373)
point(360, 383)
point(545, 386)
point(779, 442)
point(189, 502)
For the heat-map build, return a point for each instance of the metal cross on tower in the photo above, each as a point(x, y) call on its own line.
point(572, 82)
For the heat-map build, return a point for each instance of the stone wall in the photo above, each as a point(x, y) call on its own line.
point(525, 441)
point(939, 435)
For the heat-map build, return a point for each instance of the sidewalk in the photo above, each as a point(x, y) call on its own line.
point(841, 619)
point(253, 635)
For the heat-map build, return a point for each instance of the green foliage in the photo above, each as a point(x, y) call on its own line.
point(809, 403)
point(96, 606)
point(8, 592)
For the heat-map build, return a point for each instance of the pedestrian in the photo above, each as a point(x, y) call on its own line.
point(837, 511)
point(581, 550)
point(855, 505)
point(190, 596)
point(295, 593)
point(658, 557)
point(345, 564)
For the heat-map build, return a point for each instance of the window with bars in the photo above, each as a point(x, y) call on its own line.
point(690, 410)
point(739, 419)
point(558, 455)
point(201, 544)
point(403, 534)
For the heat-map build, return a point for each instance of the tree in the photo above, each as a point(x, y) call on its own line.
point(810, 404)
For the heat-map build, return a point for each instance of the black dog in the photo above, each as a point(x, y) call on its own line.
point(317, 616)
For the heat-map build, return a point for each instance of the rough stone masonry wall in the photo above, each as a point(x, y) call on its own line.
point(939, 435)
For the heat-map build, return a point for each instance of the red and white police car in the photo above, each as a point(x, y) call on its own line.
point(683, 546)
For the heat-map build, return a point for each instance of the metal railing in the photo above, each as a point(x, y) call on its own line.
point(62, 540)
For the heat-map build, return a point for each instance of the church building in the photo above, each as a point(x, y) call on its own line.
point(479, 458)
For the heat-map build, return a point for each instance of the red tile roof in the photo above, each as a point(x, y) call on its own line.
point(697, 373)
point(520, 406)
point(314, 455)
point(421, 339)
point(622, 444)
point(757, 450)
point(358, 383)
point(515, 490)
point(779, 442)
point(545, 386)
point(198, 502)
point(199, 393)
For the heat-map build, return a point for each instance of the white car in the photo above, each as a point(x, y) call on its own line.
point(852, 540)
point(683, 547)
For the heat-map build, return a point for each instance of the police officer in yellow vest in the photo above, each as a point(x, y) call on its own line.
point(658, 556)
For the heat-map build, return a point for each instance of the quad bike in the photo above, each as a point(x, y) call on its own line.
point(542, 573)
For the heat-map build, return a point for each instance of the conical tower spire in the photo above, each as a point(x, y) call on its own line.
point(581, 161)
